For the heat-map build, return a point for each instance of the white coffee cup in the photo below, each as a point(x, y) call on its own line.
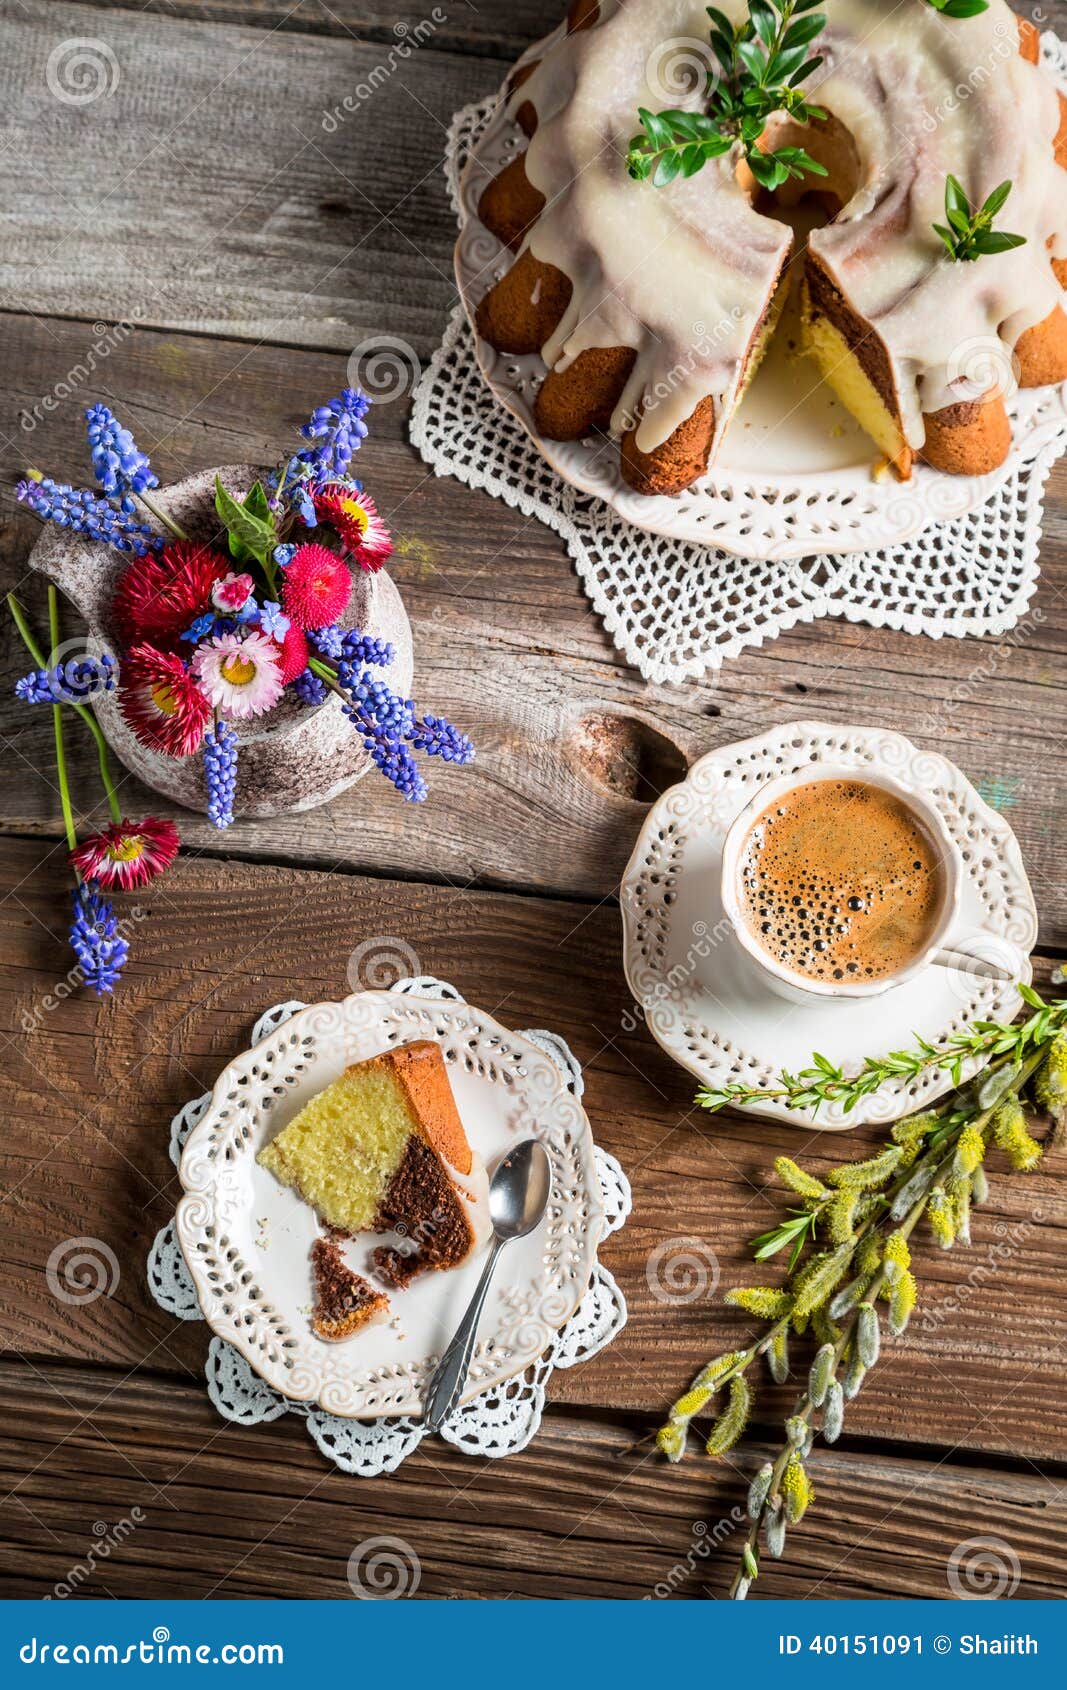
point(948, 946)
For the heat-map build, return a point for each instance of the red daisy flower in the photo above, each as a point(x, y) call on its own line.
point(355, 517)
point(161, 701)
point(127, 854)
point(159, 595)
point(317, 587)
point(292, 653)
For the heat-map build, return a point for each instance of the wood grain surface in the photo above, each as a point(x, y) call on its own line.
point(204, 246)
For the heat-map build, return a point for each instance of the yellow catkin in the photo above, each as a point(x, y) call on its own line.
point(841, 1215)
point(671, 1440)
point(1050, 1084)
point(868, 1175)
point(970, 1150)
point(691, 1403)
point(939, 1214)
point(914, 1128)
point(790, 1174)
point(731, 1423)
point(797, 1489)
point(760, 1300)
point(869, 1255)
point(902, 1302)
point(897, 1256)
point(1010, 1134)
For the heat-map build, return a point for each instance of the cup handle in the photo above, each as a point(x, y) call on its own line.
point(1001, 959)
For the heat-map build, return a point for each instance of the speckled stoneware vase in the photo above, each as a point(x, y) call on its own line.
point(291, 759)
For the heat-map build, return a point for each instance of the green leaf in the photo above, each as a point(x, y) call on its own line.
point(990, 241)
point(996, 199)
point(764, 21)
point(254, 535)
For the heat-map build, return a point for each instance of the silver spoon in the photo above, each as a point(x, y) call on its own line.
point(518, 1196)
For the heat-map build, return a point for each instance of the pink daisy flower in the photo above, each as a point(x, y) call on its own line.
point(355, 517)
point(161, 701)
point(317, 587)
point(292, 653)
point(127, 854)
point(232, 593)
point(239, 674)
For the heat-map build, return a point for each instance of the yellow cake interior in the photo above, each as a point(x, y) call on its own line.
point(344, 1147)
point(842, 371)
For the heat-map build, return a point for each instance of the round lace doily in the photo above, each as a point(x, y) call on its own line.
point(677, 610)
point(497, 1423)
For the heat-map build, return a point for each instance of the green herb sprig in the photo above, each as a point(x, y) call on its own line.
point(995, 1042)
point(971, 235)
point(959, 8)
point(762, 63)
point(859, 1220)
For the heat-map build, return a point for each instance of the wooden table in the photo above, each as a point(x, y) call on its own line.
point(244, 247)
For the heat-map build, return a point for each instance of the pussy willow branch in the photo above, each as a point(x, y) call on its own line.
point(938, 1154)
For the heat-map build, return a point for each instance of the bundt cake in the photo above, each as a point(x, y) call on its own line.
point(383, 1150)
point(651, 305)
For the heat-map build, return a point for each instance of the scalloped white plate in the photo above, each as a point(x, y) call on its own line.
point(793, 476)
point(246, 1238)
point(707, 1003)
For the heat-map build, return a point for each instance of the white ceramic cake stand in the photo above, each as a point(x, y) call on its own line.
point(707, 1002)
point(794, 474)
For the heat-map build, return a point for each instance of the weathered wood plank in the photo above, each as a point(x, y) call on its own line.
point(220, 182)
point(91, 1088)
point(571, 743)
point(500, 29)
point(497, 26)
point(246, 1512)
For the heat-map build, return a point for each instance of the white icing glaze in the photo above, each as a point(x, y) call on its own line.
point(684, 274)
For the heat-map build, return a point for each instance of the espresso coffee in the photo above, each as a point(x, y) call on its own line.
point(840, 881)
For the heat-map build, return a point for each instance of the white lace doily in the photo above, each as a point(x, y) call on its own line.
point(497, 1423)
point(677, 610)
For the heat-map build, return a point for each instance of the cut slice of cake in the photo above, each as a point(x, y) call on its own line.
point(383, 1150)
point(344, 1302)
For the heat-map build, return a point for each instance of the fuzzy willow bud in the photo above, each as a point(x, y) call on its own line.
point(910, 1192)
point(855, 1374)
point(868, 1340)
point(833, 1418)
point(774, 1532)
point(758, 1491)
point(796, 1430)
point(822, 1371)
point(851, 1294)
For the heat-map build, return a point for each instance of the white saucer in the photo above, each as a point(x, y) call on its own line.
point(246, 1239)
point(793, 477)
point(708, 1004)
